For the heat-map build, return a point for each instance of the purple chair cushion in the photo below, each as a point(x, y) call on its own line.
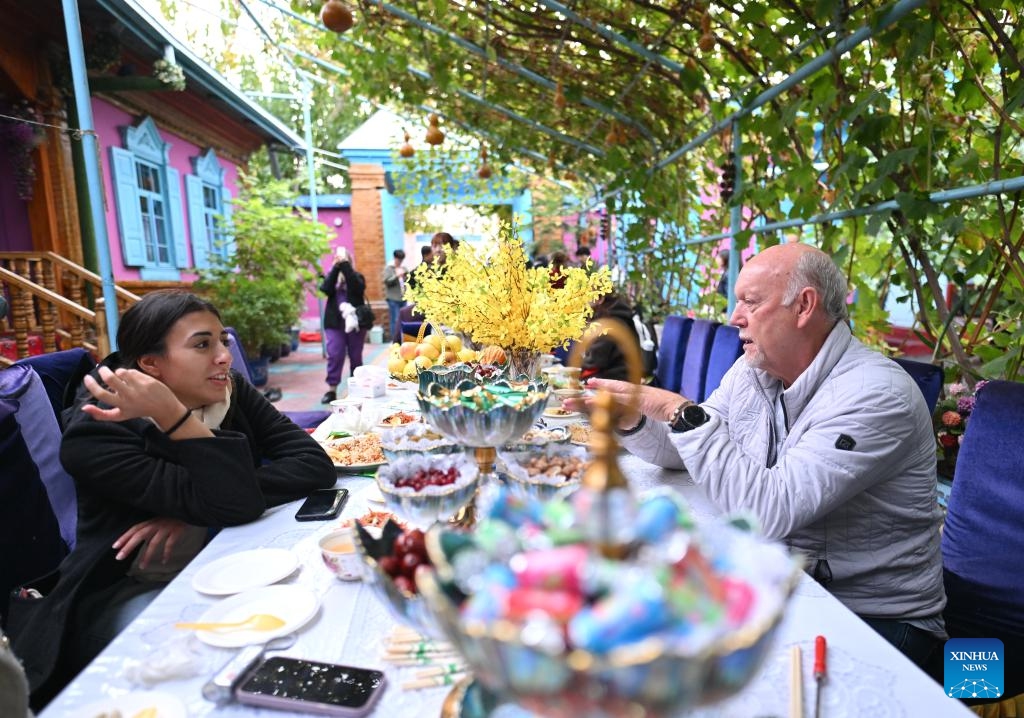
point(983, 537)
point(61, 374)
point(695, 363)
point(929, 378)
point(726, 348)
point(38, 503)
point(238, 360)
point(675, 333)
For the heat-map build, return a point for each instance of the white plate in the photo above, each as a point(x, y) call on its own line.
point(166, 705)
point(245, 570)
point(295, 605)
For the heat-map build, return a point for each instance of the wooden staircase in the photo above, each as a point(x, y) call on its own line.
point(56, 300)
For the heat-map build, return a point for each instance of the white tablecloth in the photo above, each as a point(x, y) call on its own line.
point(867, 676)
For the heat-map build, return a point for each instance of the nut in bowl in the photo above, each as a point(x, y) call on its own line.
point(542, 472)
point(428, 488)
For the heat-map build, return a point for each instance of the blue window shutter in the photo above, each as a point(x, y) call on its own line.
point(197, 221)
point(129, 217)
point(229, 229)
point(176, 215)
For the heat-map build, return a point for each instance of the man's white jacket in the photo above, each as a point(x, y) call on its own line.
point(841, 466)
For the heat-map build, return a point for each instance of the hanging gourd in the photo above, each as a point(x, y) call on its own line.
point(434, 135)
point(612, 138)
point(485, 169)
point(336, 16)
point(560, 101)
point(406, 150)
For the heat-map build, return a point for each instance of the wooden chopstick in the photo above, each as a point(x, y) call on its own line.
point(796, 683)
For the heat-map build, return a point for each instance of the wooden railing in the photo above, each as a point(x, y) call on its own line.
point(52, 297)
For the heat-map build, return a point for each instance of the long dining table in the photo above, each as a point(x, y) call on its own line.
point(866, 676)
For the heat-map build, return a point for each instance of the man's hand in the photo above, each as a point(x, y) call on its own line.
point(654, 403)
point(160, 535)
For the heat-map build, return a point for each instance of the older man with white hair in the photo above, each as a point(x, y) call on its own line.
point(827, 442)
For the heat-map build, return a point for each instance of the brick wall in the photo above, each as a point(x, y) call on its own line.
point(368, 233)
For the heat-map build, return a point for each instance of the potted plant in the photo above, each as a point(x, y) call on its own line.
point(260, 286)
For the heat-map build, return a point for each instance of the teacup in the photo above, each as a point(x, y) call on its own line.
point(338, 550)
point(564, 394)
point(564, 377)
point(347, 406)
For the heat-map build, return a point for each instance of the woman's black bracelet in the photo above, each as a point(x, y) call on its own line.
point(179, 423)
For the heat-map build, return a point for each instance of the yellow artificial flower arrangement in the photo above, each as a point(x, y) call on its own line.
point(490, 294)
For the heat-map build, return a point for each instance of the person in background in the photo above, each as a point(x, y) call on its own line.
point(166, 444)
point(394, 290)
point(582, 256)
point(826, 442)
point(604, 359)
point(559, 263)
point(426, 257)
point(723, 280)
point(442, 243)
point(345, 290)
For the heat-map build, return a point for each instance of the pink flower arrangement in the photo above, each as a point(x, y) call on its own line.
point(951, 417)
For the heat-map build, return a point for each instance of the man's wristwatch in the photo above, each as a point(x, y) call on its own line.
point(687, 416)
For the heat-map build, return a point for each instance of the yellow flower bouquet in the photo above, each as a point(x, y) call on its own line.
point(490, 294)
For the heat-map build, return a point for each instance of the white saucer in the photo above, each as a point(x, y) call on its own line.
point(295, 605)
point(245, 570)
point(166, 705)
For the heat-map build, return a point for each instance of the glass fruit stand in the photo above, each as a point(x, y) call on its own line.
point(533, 598)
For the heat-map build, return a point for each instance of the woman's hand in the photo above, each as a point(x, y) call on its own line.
point(654, 403)
point(132, 394)
point(160, 534)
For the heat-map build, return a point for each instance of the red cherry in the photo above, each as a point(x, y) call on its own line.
point(390, 565)
point(405, 584)
point(409, 563)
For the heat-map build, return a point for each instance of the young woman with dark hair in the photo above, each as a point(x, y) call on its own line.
point(166, 444)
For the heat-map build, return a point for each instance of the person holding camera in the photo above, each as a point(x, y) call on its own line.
point(347, 317)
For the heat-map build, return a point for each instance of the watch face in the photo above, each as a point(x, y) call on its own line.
point(694, 415)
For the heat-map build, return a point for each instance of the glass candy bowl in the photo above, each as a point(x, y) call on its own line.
point(529, 664)
point(487, 415)
point(423, 505)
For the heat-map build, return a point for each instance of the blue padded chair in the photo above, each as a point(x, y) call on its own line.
point(410, 322)
point(238, 360)
point(61, 374)
point(929, 378)
point(695, 363)
point(305, 419)
point(672, 348)
point(983, 538)
point(38, 503)
point(726, 348)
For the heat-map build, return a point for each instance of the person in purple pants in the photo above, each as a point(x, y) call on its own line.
point(345, 290)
